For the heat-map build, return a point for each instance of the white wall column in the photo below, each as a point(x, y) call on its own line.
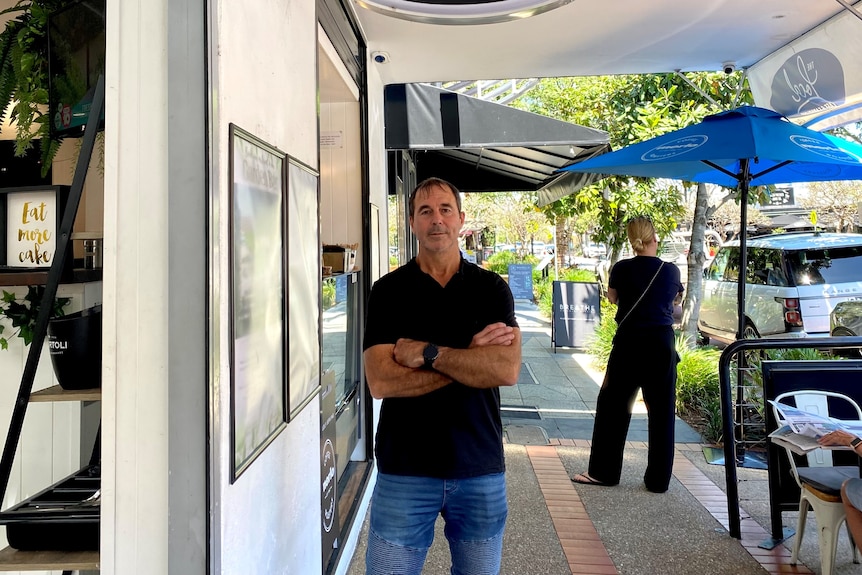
point(154, 378)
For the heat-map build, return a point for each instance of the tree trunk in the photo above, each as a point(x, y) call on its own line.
point(562, 237)
point(696, 259)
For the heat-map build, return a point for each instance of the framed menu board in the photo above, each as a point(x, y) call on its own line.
point(258, 308)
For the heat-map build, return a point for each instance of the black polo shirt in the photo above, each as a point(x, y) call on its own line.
point(453, 432)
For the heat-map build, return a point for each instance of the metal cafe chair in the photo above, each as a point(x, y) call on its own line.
point(820, 482)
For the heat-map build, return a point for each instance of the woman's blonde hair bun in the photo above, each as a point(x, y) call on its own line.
point(640, 232)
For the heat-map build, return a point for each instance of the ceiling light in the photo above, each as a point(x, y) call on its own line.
point(461, 12)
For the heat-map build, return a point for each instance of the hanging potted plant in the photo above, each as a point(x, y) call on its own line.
point(24, 76)
point(44, 92)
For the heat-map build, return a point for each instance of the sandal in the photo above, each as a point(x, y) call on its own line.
point(585, 479)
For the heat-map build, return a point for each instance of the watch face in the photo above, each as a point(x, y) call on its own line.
point(430, 353)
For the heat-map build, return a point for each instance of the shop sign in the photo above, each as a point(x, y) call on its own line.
point(31, 220)
point(328, 472)
point(576, 313)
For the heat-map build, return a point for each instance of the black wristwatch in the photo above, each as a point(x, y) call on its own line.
point(856, 441)
point(430, 353)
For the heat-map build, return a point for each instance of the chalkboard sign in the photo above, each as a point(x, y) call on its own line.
point(576, 313)
point(521, 281)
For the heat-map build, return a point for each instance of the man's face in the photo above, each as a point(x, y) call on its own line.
point(436, 220)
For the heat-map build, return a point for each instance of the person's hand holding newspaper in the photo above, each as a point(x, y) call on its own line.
point(837, 437)
point(805, 431)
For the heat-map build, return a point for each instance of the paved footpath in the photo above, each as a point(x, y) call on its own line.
point(557, 527)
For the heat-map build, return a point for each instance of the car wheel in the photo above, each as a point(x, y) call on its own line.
point(846, 352)
point(702, 339)
point(749, 331)
point(753, 356)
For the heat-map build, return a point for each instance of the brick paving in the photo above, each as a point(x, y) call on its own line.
point(580, 541)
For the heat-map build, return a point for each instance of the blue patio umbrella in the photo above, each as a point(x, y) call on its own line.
point(745, 147)
point(736, 149)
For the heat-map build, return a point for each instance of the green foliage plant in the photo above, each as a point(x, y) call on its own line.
point(577, 275)
point(24, 75)
point(499, 262)
point(543, 293)
point(698, 396)
point(543, 288)
point(23, 313)
point(328, 294)
point(712, 425)
point(600, 345)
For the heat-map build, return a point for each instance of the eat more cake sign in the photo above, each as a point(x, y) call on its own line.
point(31, 222)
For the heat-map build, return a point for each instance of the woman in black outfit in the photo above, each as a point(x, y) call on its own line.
point(643, 356)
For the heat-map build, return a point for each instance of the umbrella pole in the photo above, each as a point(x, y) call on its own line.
point(745, 176)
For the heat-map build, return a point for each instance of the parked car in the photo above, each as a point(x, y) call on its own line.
point(595, 250)
point(793, 282)
point(539, 248)
point(675, 249)
point(846, 320)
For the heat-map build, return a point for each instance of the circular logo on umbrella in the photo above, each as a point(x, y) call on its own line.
point(823, 147)
point(674, 148)
point(813, 172)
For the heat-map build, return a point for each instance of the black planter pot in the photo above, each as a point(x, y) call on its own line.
point(75, 341)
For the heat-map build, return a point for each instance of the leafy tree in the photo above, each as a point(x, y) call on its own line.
point(837, 203)
point(632, 109)
point(724, 219)
point(511, 216)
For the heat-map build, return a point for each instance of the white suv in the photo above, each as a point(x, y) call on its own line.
point(793, 281)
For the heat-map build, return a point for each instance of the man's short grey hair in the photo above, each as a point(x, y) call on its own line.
point(428, 184)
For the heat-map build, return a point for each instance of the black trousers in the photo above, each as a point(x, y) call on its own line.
point(647, 360)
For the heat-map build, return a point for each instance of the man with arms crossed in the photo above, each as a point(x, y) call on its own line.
point(440, 339)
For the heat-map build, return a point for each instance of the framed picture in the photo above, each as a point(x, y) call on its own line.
point(257, 300)
point(304, 284)
point(30, 219)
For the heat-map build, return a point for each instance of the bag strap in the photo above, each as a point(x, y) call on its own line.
point(649, 285)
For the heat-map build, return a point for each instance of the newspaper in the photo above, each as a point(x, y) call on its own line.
point(801, 429)
point(805, 422)
point(797, 443)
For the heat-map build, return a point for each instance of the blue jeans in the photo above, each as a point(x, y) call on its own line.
point(404, 510)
